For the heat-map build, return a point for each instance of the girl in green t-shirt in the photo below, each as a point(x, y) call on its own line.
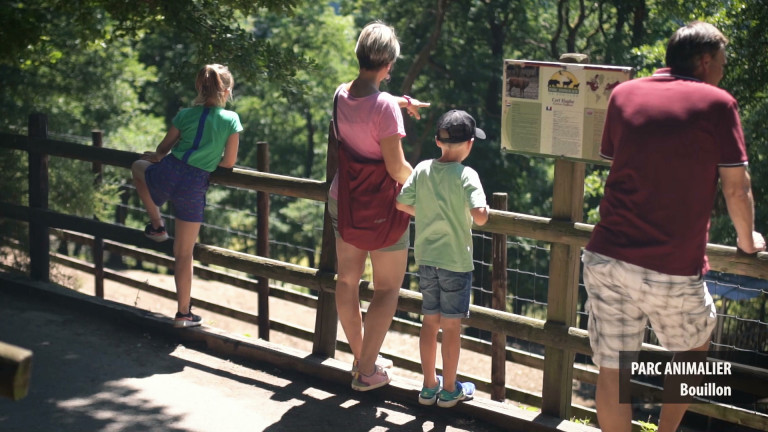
point(201, 138)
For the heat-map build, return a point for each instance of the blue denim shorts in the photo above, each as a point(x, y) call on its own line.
point(181, 184)
point(445, 292)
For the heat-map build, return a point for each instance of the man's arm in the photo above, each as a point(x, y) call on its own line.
point(737, 190)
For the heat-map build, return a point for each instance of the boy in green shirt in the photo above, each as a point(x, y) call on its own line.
point(445, 197)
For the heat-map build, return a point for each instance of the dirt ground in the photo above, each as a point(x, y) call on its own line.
point(101, 367)
point(396, 343)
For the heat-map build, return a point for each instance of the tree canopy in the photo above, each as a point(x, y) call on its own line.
point(128, 67)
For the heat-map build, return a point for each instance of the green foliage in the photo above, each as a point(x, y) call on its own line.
point(74, 179)
point(584, 421)
point(128, 67)
point(594, 184)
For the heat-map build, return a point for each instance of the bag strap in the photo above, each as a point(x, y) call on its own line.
point(336, 117)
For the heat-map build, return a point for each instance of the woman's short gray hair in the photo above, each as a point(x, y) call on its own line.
point(377, 46)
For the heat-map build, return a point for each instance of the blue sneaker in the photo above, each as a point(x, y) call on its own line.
point(428, 396)
point(464, 391)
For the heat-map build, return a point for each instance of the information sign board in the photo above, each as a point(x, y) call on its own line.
point(556, 109)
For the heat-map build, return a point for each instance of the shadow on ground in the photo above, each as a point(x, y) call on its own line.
point(91, 372)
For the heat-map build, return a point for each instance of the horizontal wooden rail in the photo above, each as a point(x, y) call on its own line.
point(721, 258)
point(237, 177)
point(483, 318)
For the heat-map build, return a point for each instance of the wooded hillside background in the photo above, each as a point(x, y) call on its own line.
point(127, 67)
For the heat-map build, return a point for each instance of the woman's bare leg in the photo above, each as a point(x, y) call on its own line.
point(351, 263)
point(388, 273)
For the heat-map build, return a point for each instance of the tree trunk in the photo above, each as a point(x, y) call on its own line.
point(421, 60)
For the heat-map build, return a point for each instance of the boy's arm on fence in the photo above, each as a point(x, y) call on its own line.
point(479, 215)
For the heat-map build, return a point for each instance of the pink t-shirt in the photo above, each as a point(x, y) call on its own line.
point(364, 122)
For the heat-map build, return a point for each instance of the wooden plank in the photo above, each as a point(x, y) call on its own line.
point(15, 371)
point(326, 318)
point(237, 177)
point(39, 243)
point(262, 239)
point(97, 141)
point(567, 205)
point(499, 302)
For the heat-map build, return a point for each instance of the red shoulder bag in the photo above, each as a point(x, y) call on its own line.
point(368, 218)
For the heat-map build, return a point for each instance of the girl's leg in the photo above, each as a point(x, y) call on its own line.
point(351, 263)
point(450, 348)
point(138, 169)
point(183, 246)
point(388, 273)
point(430, 325)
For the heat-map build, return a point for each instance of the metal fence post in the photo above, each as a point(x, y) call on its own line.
point(39, 241)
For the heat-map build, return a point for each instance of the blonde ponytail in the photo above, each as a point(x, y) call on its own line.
point(214, 85)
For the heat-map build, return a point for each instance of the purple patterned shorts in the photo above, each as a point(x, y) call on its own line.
point(181, 184)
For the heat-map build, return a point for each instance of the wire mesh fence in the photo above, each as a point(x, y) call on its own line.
point(296, 231)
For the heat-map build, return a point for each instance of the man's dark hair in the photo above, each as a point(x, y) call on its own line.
point(689, 43)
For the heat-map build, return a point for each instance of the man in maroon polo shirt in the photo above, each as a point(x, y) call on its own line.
point(669, 138)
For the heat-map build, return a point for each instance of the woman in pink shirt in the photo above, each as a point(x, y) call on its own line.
point(370, 123)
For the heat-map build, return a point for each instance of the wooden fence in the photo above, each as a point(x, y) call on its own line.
point(557, 333)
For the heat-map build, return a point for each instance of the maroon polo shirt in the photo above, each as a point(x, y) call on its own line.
point(667, 136)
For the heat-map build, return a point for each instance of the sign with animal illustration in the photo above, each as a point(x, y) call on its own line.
point(556, 109)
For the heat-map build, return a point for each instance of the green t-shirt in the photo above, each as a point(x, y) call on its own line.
point(204, 134)
point(442, 194)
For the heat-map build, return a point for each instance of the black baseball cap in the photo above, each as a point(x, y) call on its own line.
point(457, 126)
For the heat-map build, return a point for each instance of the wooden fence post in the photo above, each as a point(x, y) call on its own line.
point(98, 242)
point(564, 265)
point(326, 320)
point(567, 205)
point(262, 239)
point(499, 284)
point(15, 371)
point(39, 241)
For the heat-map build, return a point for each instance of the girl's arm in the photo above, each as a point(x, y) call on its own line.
point(165, 146)
point(230, 151)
